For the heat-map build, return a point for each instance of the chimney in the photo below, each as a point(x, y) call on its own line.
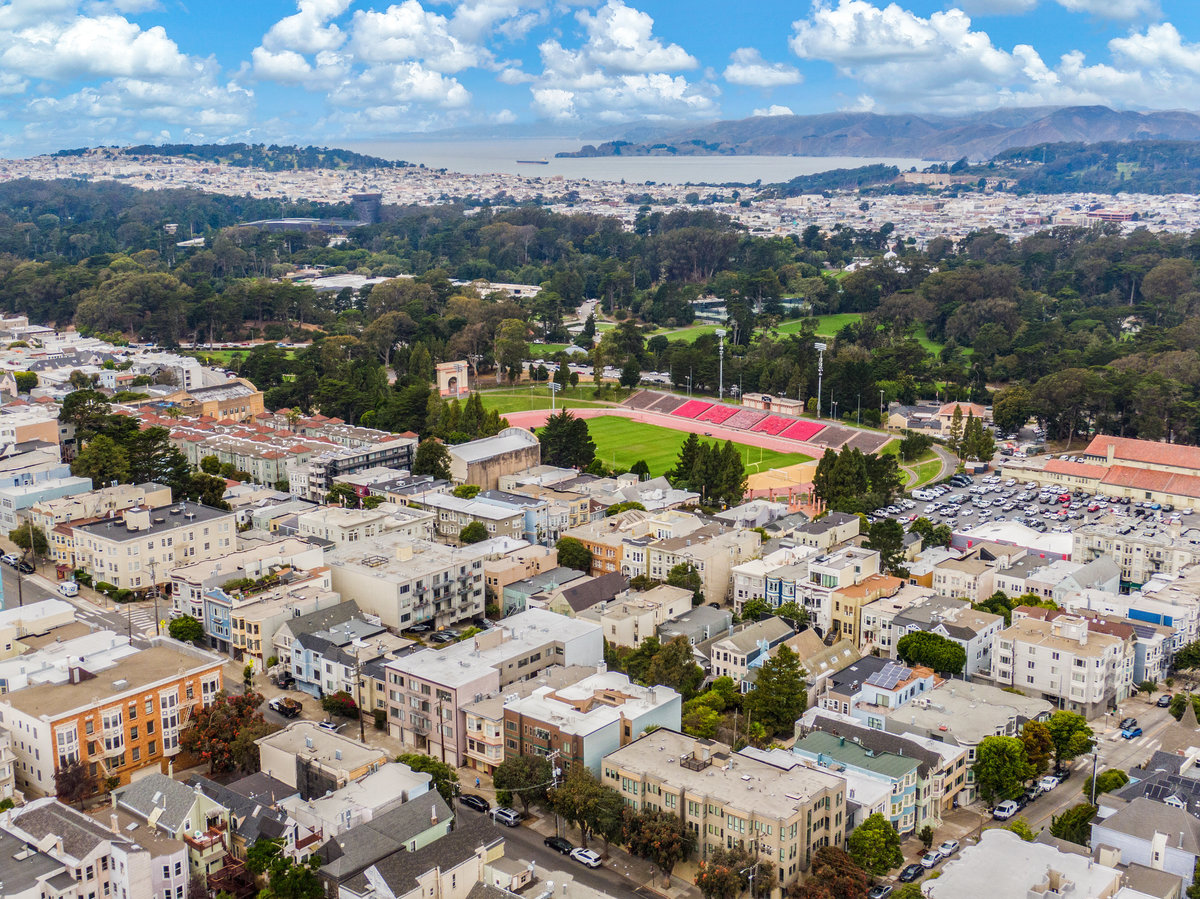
point(433, 819)
point(112, 821)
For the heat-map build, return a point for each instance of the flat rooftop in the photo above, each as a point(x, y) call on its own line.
point(138, 671)
point(162, 519)
point(750, 785)
point(967, 712)
point(306, 740)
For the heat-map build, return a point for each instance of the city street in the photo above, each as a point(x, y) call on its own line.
point(620, 875)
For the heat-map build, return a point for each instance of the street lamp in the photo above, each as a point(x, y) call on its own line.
point(820, 347)
point(752, 870)
point(721, 364)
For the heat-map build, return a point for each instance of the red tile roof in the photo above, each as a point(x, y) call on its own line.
point(1148, 452)
point(1156, 481)
point(1075, 469)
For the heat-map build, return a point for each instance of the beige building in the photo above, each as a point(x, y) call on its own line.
point(515, 566)
point(713, 551)
point(630, 619)
point(105, 502)
point(451, 514)
point(142, 549)
point(973, 576)
point(728, 799)
point(485, 461)
point(340, 526)
point(191, 580)
point(1064, 662)
point(315, 761)
point(33, 620)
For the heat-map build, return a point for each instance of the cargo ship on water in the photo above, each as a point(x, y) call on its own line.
point(542, 161)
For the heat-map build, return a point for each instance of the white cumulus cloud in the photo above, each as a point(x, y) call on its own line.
point(747, 67)
point(773, 110)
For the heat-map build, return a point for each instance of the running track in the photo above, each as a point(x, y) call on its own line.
point(537, 418)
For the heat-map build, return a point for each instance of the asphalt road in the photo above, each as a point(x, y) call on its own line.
point(526, 844)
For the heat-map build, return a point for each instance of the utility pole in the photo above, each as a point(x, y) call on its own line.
point(820, 347)
point(721, 364)
point(154, 589)
point(555, 771)
point(1095, 763)
point(362, 727)
point(752, 870)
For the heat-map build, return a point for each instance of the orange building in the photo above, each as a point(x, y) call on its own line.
point(115, 721)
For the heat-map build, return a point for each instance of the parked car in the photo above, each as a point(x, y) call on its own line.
point(1164, 701)
point(1131, 733)
point(285, 681)
point(1030, 794)
point(1127, 723)
point(586, 857)
point(470, 800)
point(879, 892)
point(25, 567)
point(506, 816)
point(911, 873)
point(285, 706)
point(1062, 774)
point(1005, 810)
point(948, 848)
point(558, 844)
point(10, 559)
point(328, 725)
point(930, 859)
point(1047, 783)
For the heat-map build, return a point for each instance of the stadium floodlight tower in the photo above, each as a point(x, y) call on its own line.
point(721, 364)
point(820, 348)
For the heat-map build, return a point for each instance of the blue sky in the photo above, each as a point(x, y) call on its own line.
point(88, 72)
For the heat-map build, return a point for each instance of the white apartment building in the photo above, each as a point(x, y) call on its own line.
point(191, 580)
point(142, 549)
point(451, 514)
point(1065, 663)
point(750, 578)
point(631, 618)
point(407, 582)
point(888, 620)
point(827, 574)
point(1142, 551)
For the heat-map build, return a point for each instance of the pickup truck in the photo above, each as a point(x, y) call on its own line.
point(285, 706)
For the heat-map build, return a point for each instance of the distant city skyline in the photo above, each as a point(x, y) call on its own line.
point(87, 72)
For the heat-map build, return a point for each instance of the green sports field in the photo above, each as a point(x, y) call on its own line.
point(620, 442)
point(524, 399)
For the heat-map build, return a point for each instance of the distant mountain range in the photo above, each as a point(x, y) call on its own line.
point(978, 137)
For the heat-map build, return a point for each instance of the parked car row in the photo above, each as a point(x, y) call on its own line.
point(14, 560)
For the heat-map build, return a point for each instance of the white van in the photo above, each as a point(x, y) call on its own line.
point(68, 588)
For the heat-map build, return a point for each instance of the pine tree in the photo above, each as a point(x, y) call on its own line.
point(956, 430)
point(779, 695)
point(681, 474)
point(733, 475)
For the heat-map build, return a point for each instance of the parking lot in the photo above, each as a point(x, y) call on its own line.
point(969, 501)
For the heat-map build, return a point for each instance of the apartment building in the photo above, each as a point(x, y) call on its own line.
point(587, 720)
point(962, 715)
point(867, 688)
point(1057, 578)
point(88, 857)
point(772, 578)
point(484, 718)
point(1164, 601)
point(941, 768)
point(339, 525)
point(734, 655)
point(114, 725)
point(631, 618)
point(509, 568)
point(1063, 662)
point(1142, 551)
point(16, 501)
point(1143, 642)
point(190, 581)
point(829, 574)
point(428, 690)
point(314, 761)
point(140, 551)
point(406, 582)
point(727, 799)
point(606, 538)
point(830, 530)
point(887, 621)
point(973, 575)
point(332, 659)
point(846, 603)
point(354, 449)
point(33, 619)
point(712, 550)
point(102, 502)
point(242, 620)
point(452, 514)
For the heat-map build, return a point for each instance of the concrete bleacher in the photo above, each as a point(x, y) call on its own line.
point(692, 409)
point(745, 419)
point(644, 399)
point(718, 413)
point(773, 425)
point(868, 442)
point(832, 436)
point(802, 430)
point(668, 403)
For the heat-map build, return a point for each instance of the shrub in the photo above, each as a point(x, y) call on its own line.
point(380, 719)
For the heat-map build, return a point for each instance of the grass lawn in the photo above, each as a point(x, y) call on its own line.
point(827, 325)
point(621, 442)
point(926, 471)
point(523, 399)
point(546, 351)
point(223, 357)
